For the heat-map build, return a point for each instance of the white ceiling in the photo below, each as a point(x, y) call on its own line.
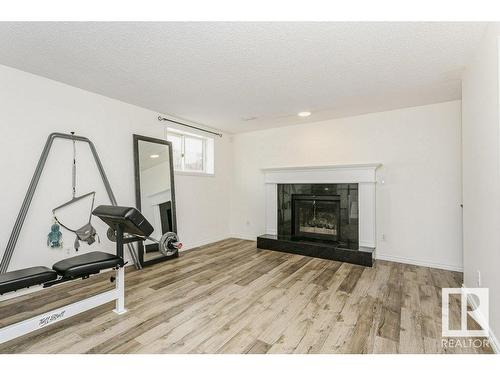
point(245, 76)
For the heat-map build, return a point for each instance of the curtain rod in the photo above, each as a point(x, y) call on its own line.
point(160, 118)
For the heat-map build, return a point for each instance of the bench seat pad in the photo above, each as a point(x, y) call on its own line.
point(86, 264)
point(132, 220)
point(19, 279)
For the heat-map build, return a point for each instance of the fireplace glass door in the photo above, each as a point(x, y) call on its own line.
point(316, 216)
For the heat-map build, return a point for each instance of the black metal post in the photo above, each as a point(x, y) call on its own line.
point(160, 118)
point(119, 240)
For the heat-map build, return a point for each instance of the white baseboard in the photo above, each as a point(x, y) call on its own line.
point(371, 245)
point(191, 245)
point(495, 344)
point(243, 236)
point(379, 256)
point(416, 262)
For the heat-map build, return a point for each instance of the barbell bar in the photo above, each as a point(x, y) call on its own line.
point(168, 244)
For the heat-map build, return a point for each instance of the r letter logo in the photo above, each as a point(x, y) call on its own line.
point(478, 314)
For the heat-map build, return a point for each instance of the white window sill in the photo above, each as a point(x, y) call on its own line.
point(197, 174)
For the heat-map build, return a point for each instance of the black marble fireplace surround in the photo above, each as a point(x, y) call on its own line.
point(318, 220)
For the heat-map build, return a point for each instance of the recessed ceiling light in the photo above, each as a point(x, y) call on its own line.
point(249, 118)
point(304, 114)
point(154, 156)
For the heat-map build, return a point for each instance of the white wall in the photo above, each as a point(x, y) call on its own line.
point(419, 147)
point(31, 107)
point(481, 171)
point(418, 207)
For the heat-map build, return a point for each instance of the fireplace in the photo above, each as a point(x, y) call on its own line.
point(323, 211)
point(318, 220)
point(319, 212)
point(316, 216)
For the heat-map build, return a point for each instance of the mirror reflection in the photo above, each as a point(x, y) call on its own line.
point(154, 159)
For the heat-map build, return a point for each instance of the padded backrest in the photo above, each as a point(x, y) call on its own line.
point(131, 219)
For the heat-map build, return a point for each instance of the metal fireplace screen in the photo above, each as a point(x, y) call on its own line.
point(316, 216)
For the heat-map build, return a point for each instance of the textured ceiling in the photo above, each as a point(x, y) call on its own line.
point(245, 76)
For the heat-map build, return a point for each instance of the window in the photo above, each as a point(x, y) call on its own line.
point(192, 153)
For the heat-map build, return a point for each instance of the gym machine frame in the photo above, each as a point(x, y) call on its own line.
point(45, 319)
point(11, 244)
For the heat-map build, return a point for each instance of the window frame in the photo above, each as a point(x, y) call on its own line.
point(183, 135)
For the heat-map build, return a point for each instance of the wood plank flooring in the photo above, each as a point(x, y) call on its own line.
point(229, 297)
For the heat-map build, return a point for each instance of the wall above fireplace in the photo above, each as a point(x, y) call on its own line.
point(364, 175)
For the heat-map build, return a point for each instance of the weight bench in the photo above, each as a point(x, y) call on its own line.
point(67, 269)
point(124, 220)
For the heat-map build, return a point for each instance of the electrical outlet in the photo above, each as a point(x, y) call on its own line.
point(248, 222)
point(383, 236)
point(479, 279)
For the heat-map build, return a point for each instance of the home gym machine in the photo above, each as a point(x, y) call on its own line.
point(16, 230)
point(128, 224)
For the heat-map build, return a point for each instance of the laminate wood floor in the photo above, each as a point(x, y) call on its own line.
point(230, 297)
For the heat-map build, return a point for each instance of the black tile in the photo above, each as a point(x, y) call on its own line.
point(348, 252)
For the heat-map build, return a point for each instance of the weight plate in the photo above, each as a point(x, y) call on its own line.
point(111, 234)
point(165, 241)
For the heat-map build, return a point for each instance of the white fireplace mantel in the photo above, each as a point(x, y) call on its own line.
point(362, 174)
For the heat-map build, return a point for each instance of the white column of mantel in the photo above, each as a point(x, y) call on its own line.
point(367, 214)
point(272, 208)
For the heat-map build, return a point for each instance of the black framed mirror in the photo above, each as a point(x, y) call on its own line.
point(154, 193)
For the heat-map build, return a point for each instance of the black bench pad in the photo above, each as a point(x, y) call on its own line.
point(131, 219)
point(86, 264)
point(19, 279)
